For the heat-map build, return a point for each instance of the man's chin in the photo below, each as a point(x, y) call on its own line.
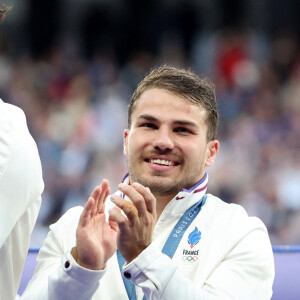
point(161, 186)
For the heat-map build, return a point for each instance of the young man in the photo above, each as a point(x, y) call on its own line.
point(173, 240)
point(21, 186)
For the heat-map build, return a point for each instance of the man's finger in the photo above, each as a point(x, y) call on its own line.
point(86, 213)
point(135, 197)
point(116, 216)
point(150, 200)
point(105, 192)
point(112, 223)
point(96, 195)
point(130, 210)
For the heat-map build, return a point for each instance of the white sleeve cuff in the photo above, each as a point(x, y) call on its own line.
point(79, 273)
point(150, 270)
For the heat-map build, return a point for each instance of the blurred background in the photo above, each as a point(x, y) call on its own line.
point(72, 65)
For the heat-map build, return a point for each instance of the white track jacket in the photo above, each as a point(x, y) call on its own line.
point(21, 186)
point(232, 260)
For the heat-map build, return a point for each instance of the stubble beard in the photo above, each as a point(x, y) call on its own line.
point(157, 182)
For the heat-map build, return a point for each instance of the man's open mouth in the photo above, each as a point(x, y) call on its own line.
point(163, 162)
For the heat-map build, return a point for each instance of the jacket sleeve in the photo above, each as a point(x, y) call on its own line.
point(246, 272)
point(21, 180)
point(57, 275)
point(21, 186)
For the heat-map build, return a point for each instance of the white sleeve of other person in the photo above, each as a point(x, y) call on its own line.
point(21, 186)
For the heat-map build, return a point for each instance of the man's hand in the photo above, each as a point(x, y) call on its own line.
point(135, 231)
point(96, 239)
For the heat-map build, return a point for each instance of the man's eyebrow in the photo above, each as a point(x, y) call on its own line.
point(176, 122)
point(186, 123)
point(147, 117)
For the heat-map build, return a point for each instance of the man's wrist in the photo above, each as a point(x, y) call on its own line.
point(74, 253)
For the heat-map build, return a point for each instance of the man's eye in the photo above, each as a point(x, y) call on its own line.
point(181, 129)
point(149, 125)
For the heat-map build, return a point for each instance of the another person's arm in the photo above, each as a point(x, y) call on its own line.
point(21, 186)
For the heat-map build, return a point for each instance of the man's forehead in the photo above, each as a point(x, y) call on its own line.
point(165, 106)
point(163, 94)
point(165, 99)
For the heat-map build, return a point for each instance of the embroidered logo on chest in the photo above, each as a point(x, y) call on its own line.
point(194, 237)
point(190, 256)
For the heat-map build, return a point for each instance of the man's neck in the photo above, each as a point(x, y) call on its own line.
point(162, 202)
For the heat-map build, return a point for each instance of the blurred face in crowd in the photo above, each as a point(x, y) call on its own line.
point(166, 146)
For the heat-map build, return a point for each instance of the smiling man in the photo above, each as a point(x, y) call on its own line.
point(166, 145)
point(160, 236)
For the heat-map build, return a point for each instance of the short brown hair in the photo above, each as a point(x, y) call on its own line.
point(3, 12)
point(183, 83)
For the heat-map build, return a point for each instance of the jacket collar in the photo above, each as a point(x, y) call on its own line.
point(185, 198)
point(199, 188)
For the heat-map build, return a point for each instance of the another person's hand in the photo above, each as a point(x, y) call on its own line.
point(96, 239)
point(135, 231)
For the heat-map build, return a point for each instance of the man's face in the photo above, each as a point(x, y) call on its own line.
point(166, 147)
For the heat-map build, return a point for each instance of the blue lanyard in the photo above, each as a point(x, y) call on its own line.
point(171, 244)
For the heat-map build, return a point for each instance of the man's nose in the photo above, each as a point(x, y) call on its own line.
point(163, 139)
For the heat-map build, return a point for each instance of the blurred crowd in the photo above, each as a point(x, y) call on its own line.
point(77, 109)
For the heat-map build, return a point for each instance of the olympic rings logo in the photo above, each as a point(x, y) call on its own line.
point(189, 259)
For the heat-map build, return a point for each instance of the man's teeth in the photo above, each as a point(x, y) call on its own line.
point(162, 162)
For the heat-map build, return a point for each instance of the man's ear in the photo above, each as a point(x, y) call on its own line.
point(211, 152)
point(125, 141)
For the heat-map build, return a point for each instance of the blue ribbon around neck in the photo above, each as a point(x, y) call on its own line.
point(171, 244)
